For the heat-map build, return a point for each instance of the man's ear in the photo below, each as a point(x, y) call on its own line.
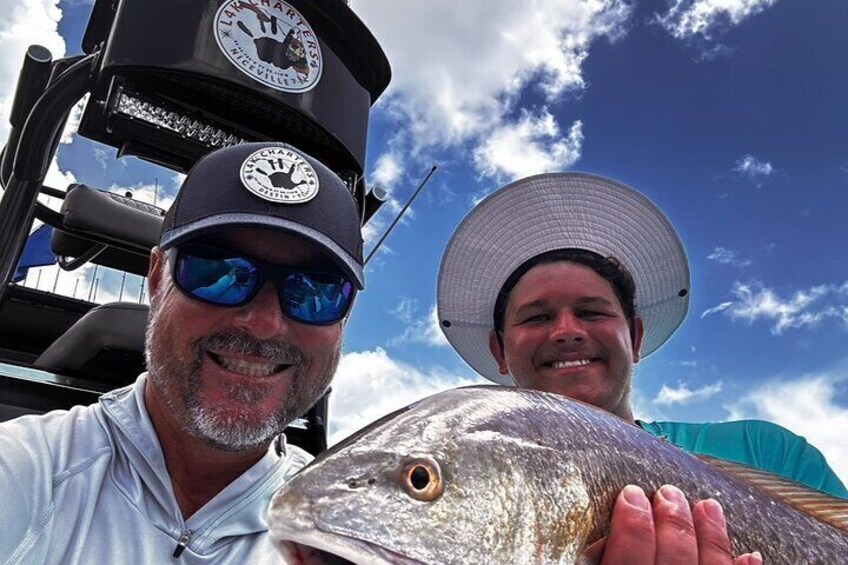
point(496, 348)
point(155, 272)
point(638, 333)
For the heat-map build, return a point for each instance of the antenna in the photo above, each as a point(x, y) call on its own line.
point(403, 210)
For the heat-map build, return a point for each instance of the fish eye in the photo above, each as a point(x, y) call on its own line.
point(421, 478)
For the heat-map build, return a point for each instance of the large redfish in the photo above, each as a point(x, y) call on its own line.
point(501, 475)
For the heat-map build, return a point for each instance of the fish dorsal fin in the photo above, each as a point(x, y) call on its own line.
point(822, 506)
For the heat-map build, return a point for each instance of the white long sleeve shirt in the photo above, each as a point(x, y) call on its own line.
point(90, 485)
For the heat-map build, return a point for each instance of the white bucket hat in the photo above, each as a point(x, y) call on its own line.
point(557, 211)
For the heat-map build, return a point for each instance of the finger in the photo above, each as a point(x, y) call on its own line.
point(676, 543)
point(711, 530)
point(244, 28)
point(631, 539)
point(749, 559)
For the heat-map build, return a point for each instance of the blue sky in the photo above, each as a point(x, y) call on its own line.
point(730, 115)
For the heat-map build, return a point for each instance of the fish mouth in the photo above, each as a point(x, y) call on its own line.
point(297, 553)
point(339, 551)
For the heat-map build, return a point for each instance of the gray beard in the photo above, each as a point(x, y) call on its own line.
point(179, 384)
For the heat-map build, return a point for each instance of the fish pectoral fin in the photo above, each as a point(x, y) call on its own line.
point(822, 506)
point(592, 553)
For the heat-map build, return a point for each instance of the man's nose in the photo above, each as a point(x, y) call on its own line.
point(263, 317)
point(568, 328)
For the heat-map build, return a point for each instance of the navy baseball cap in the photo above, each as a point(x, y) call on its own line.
point(273, 186)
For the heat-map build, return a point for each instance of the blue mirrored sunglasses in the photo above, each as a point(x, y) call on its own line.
point(225, 278)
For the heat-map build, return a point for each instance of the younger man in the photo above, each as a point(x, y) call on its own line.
point(562, 283)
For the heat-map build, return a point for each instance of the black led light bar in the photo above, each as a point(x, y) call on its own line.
point(164, 131)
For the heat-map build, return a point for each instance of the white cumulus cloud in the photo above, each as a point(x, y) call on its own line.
point(804, 308)
point(25, 23)
point(424, 330)
point(716, 309)
point(533, 144)
point(28, 23)
point(387, 171)
point(727, 257)
point(370, 384)
point(807, 406)
point(58, 178)
point(682, 394)
point(459, 67)
point(688, 18)
point(753, 168)
point(74, 119)
point(405, 309)
point(151, 193)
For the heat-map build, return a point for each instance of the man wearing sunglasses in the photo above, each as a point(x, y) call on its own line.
point(258, 264)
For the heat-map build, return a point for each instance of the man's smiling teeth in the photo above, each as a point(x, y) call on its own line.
point(250, 369)
point(568, 364)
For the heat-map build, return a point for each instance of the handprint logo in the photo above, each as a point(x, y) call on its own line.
point(280, 175)
point(285, 54)
point(271, 42)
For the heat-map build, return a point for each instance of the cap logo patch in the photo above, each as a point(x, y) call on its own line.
point(279, 175)
point(270, 42)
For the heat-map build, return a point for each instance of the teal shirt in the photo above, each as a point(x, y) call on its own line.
point(762, 445)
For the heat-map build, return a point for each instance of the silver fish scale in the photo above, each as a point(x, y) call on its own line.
point(527, 477)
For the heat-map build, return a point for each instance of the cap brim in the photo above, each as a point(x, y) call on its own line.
point(558, 211)
point(344, 260)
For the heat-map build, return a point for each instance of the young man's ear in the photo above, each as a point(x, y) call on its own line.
point(638, 334)
point(496, 348)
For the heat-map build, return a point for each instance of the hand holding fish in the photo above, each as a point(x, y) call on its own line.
point(667, 532)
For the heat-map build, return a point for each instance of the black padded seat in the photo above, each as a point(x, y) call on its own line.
point(114, 217)
point(106, 345)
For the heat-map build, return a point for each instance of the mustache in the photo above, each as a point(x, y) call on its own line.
point(242, 343)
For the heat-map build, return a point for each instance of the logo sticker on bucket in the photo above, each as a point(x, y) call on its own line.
point(270, 42)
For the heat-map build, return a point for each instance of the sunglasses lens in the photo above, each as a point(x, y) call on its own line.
point(226, 281)
point(316, 298)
